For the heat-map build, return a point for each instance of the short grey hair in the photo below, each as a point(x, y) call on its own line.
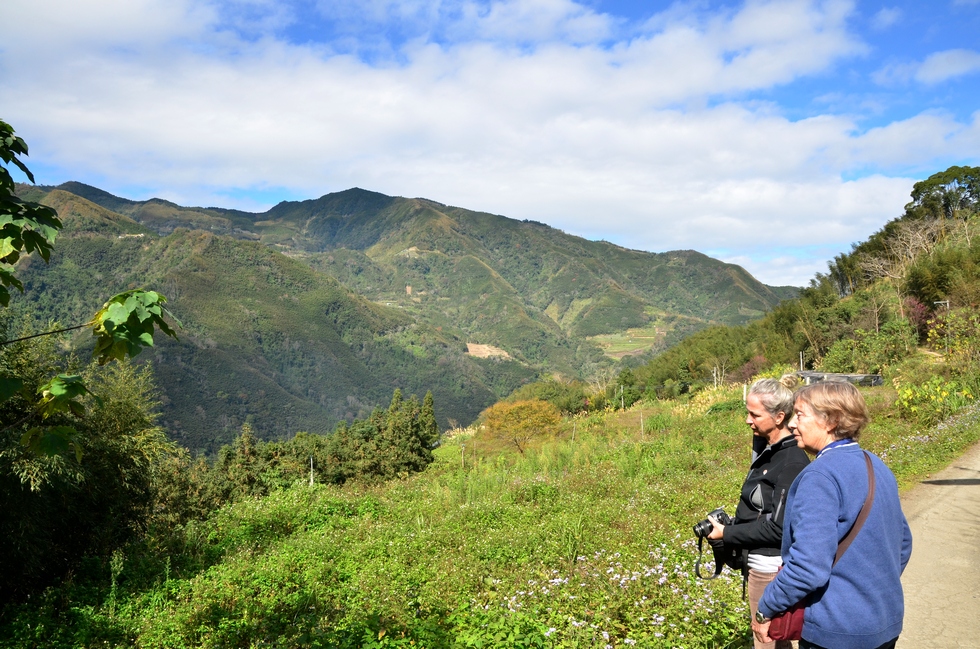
point(775, 395)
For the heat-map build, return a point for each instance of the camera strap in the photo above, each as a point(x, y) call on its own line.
point(717, 550)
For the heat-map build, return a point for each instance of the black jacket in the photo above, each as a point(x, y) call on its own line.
point(758, 525)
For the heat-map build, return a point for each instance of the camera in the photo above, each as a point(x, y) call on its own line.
point(703, 528)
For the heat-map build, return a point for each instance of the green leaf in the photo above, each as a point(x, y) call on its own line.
point(125, 324)
point(60, 393)
point(9, 386)
point(117, 313)
point(53, 440)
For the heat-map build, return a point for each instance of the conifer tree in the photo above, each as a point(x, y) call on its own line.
point(427, 420)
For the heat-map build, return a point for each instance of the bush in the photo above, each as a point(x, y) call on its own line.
point(958, 336)
point(391, 443)
point(57, 509)
point(932, 401)
point(871, 352)
point(569, 397)
point(520, 422)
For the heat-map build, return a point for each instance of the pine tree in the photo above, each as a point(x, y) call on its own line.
point(427, 420)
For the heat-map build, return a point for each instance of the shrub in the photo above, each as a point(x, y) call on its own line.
point(958, 335)
point(870, 352)
point(568, 397)
point(520, 422)
point(933, 400)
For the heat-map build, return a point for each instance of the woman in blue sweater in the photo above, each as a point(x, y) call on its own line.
point(856, 603)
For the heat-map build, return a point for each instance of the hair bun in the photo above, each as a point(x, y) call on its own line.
point(790, 381)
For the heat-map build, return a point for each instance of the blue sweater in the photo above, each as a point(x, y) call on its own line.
point(857, 604)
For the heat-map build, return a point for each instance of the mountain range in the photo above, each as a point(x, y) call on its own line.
point(314, 311)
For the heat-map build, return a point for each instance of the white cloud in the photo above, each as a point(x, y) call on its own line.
point(895, 74)
point(537, 21)
point(935, 68)
point(59, 28)
point(918, 140)
point(381, 11)
point(796, 269)
point(642, 141)
point(886, 17)
point(941, 66)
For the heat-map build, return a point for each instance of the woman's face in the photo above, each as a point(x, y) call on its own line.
point(759, 420)
point(812, 431)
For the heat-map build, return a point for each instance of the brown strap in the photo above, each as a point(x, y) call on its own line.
point(865, 510)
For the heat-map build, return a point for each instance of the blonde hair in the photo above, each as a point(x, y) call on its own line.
point(838, 403)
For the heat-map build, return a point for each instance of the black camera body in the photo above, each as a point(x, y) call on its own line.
point(703, 528)
point(731, 556)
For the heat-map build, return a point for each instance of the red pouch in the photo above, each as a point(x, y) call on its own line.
point(788, 625)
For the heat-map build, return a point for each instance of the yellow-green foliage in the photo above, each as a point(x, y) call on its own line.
point(519, 423)
point(933, 400)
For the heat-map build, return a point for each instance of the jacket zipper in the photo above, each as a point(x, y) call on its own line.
point(779, 505)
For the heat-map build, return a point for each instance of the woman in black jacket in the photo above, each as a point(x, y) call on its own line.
point(757, 529)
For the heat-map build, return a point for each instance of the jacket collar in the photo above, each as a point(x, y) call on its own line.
point(778, 446)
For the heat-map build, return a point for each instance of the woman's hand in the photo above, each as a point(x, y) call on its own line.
point(718, 531)
point(761, 631)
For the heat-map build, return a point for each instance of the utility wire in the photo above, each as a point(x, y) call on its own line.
point(47, 333)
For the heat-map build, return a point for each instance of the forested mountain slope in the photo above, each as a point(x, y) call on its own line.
point(265, 338)
point(272, 338)
point(527, 288)
point(914, 282)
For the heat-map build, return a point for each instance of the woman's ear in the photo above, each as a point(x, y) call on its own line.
point(779, 418)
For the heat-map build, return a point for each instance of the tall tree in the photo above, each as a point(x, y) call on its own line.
point(57, 507)
point(946, 195)
point(427, 420)
point(122, 327)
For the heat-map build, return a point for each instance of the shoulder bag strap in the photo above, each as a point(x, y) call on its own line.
point(865, 510)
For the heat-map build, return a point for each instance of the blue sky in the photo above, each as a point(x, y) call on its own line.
point(770, 134)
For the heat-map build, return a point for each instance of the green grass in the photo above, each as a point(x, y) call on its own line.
point(585, 541)
point(631, 341)
point(654, 337)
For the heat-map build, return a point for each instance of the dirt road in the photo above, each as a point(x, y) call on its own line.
point(942, 580)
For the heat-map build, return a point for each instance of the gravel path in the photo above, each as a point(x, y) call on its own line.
point(942, 580)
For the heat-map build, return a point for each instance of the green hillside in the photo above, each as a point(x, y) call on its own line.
point(583, 541)
point(271, 337)
point(915, 282)
point(527, 288)
point(266, 339)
